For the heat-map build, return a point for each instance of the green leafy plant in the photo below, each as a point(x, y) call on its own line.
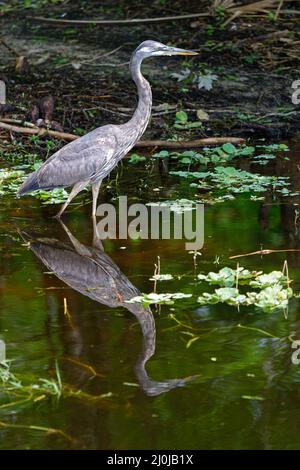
point(182, 122)
point(10, 179)
point(203, 79)
point(135, 158)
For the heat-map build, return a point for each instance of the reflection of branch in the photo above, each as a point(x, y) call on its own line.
point(143, 143)
point(263, 252)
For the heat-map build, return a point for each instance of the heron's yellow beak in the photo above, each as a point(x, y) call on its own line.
point(178, 51)
point(186, 53)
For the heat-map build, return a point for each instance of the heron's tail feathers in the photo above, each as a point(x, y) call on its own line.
point(30, 184)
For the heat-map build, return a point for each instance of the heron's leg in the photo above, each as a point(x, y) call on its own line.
point(79, 247)
point(75, 190)
point(95, 190)
point(97, 243)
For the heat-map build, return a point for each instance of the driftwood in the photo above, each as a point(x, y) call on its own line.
point(33, 130)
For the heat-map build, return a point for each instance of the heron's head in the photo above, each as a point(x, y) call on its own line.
point(154, 48)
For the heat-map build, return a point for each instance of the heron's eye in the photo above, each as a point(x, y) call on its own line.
point(146, 50)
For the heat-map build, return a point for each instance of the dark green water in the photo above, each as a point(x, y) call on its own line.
point(146, 408)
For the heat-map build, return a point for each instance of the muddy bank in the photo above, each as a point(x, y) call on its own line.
point(253, 60)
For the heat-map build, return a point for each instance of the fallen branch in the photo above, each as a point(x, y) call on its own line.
point(191, 143)
point(38, 131)
point(21, 61)
point(19, 122)
point(261, 6)
point(59, 21)
point(8, 47)
point(141, 144)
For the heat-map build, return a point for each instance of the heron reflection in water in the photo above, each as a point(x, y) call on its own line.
point(90, 271)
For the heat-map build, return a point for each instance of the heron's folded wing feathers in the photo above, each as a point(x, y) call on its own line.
point(78, 161)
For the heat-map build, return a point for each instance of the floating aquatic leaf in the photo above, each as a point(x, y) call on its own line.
point(267, 299)
point(179, 205)
point(161, 154)
point(153, 298)
point(267, 280)
point(228, 277)
point(274, 147)
point(135, 158)
point(231, 180)
point(271, 297)
point(274, 292)
point(229, 148)
point(228, 295)
point(56, 196)
point(252, 397)
point(161, 277)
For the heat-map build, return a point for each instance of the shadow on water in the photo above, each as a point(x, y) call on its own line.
point(90, 271)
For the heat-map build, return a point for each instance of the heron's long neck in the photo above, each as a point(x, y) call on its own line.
point(139, 121)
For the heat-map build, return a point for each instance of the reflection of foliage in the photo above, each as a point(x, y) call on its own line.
point(17, 393)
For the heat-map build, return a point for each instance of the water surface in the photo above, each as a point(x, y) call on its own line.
point(246, 393)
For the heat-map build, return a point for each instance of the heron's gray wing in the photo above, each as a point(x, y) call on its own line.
point(81, 273)
point(79, 160)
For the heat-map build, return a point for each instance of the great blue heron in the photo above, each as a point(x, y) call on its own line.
point(90, 271)
point(92, 157)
